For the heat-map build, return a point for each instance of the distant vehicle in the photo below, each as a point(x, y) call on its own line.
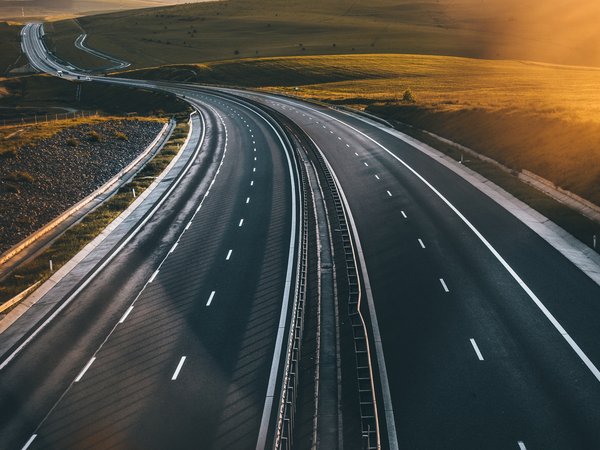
point(88, 79)
point(59, 73)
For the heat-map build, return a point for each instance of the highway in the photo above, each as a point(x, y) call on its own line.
point(173, 343)
point(484, 335)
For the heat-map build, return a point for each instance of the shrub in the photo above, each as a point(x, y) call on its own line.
point(19, 176)
point(408, 97)
point(11, 153)
point(72, 142)
point(93, 136)
point(121, 136)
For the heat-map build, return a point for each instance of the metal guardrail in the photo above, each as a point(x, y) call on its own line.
point(367, 399)
point(126, 173)
point(284, 432)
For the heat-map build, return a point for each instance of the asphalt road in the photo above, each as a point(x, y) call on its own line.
point(172, 344)
point(472, 361)
point(488, 333)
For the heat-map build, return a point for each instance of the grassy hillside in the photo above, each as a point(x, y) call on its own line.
point(27, 10)
point(199, 32)
point(522, 114)
point(42, 94)
point(10, 42)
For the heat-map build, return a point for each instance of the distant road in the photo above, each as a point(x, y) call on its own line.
point(119, 64)
point(484, 334)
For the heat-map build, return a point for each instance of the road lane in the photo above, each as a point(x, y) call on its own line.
point(228, 346)
point(534, 388)
point(441, 302)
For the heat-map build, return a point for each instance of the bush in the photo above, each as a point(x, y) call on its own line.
point(19, 176)
point(72, 142)
point(93, 136)
point(8, 153)
point(408, 97)
point(121, 136)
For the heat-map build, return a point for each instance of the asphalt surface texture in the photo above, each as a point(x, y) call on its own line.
point(187, 366)
point(489, 334)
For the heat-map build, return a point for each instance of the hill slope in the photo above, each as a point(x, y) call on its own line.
point(550, 31)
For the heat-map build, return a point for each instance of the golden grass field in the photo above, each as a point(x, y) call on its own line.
point(52, 10)
point(493, 29)
point(541, 117)
point(14, 137)
point(514, 79)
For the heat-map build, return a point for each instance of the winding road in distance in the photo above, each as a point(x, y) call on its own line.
point(484, 335)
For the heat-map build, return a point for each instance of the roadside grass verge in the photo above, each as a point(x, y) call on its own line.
point(568, 219)
point(74, 239)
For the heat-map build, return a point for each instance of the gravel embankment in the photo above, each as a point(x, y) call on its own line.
point(45, 179)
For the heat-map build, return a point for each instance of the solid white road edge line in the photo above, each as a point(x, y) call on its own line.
point(383, 377)
point(589, 364)
point(269, 397)
point(116, 252)
point(476, 348)
point(178, 369)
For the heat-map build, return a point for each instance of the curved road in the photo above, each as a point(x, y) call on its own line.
point(486, 334)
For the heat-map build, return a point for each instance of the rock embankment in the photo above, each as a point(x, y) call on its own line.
point(42, 180)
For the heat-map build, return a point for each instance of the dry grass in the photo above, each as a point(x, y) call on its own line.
point(12, 137)
point(10, 55)
point(545, 118)
point(66, 246)
point(200, 32)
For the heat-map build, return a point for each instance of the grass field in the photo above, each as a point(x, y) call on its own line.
point(200, 32)
point(525, 115)
point(57, 10)
point(10, 42)
point(42, 94)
